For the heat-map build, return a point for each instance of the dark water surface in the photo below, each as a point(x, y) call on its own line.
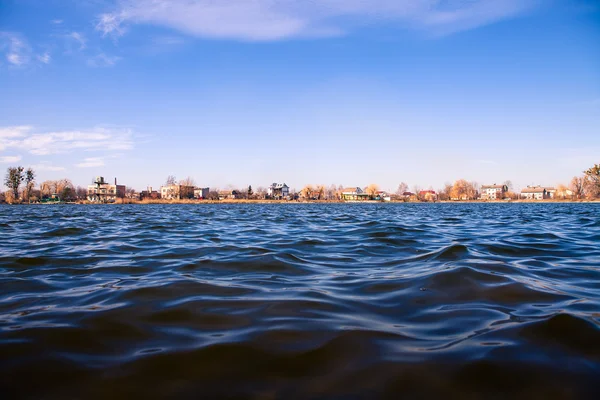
point(300, 301)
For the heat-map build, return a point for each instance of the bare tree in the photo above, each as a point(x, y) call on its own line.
point(577, 186)
point(402, 188)
point(46, 188)
point(189, 181)
point(509, 185)
point(81, 193)
point(331, 192)
point(213, 194)
point(171, 180)
point(29, 183)
point(417, 191)
point(130, 193)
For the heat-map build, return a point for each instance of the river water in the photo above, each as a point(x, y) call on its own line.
point(341, 301)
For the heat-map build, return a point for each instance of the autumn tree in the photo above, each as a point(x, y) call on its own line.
point(463, 190)
point(13, 180)
point(562, 191)
point(372, 190)
point(307, 192)
point(319, 192)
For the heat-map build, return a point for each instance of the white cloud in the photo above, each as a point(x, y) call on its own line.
point(15, 49)
point(103, 60)
point(91, 162)
point(9, 159)
point(110, 24)
point(57, 21)
point(44, 143)
point(278, 19)
point(79, 39)
point(45, 58)
point(44, 166)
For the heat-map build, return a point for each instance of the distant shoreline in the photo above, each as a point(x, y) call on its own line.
point(242, 201)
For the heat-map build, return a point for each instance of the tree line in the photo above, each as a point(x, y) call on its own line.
point(21, 188)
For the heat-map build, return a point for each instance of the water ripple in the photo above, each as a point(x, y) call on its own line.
point(300, 301)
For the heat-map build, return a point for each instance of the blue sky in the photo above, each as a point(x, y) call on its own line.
point(348, 92)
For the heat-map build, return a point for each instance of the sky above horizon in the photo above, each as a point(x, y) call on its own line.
point(345, 92)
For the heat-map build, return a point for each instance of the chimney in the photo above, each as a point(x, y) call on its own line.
point(115, 181)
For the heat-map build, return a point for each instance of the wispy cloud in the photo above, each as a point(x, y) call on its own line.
point(91, 162)
point(56, 21)
point(9, 159)
point(45, 143)
point(103, 60)
point(14, 48)
point(45, 166)
point(278, 19)
point(44, 58)
point(79, 39)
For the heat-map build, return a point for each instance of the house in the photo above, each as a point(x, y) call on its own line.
point(176, 192)
point(103, 192)
point(201, 193)
point(278, 191)
point(230, 195)
point(493, 192)
point(149, 194)
point(534, 193)
point(354, 194)
point(550, 192)
point(383, 195)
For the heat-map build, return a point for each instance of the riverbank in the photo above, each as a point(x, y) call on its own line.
point(246, 201)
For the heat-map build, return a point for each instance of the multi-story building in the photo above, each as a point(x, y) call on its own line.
point(201, 193)
point(103, 192)
point(493, 192)
point(176, 192)
point(278, 191)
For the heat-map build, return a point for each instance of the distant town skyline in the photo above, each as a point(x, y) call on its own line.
point(348, 93)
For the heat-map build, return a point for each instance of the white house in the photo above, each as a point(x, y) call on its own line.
point(493, 192)
point(534, 193)
point(278, 191)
